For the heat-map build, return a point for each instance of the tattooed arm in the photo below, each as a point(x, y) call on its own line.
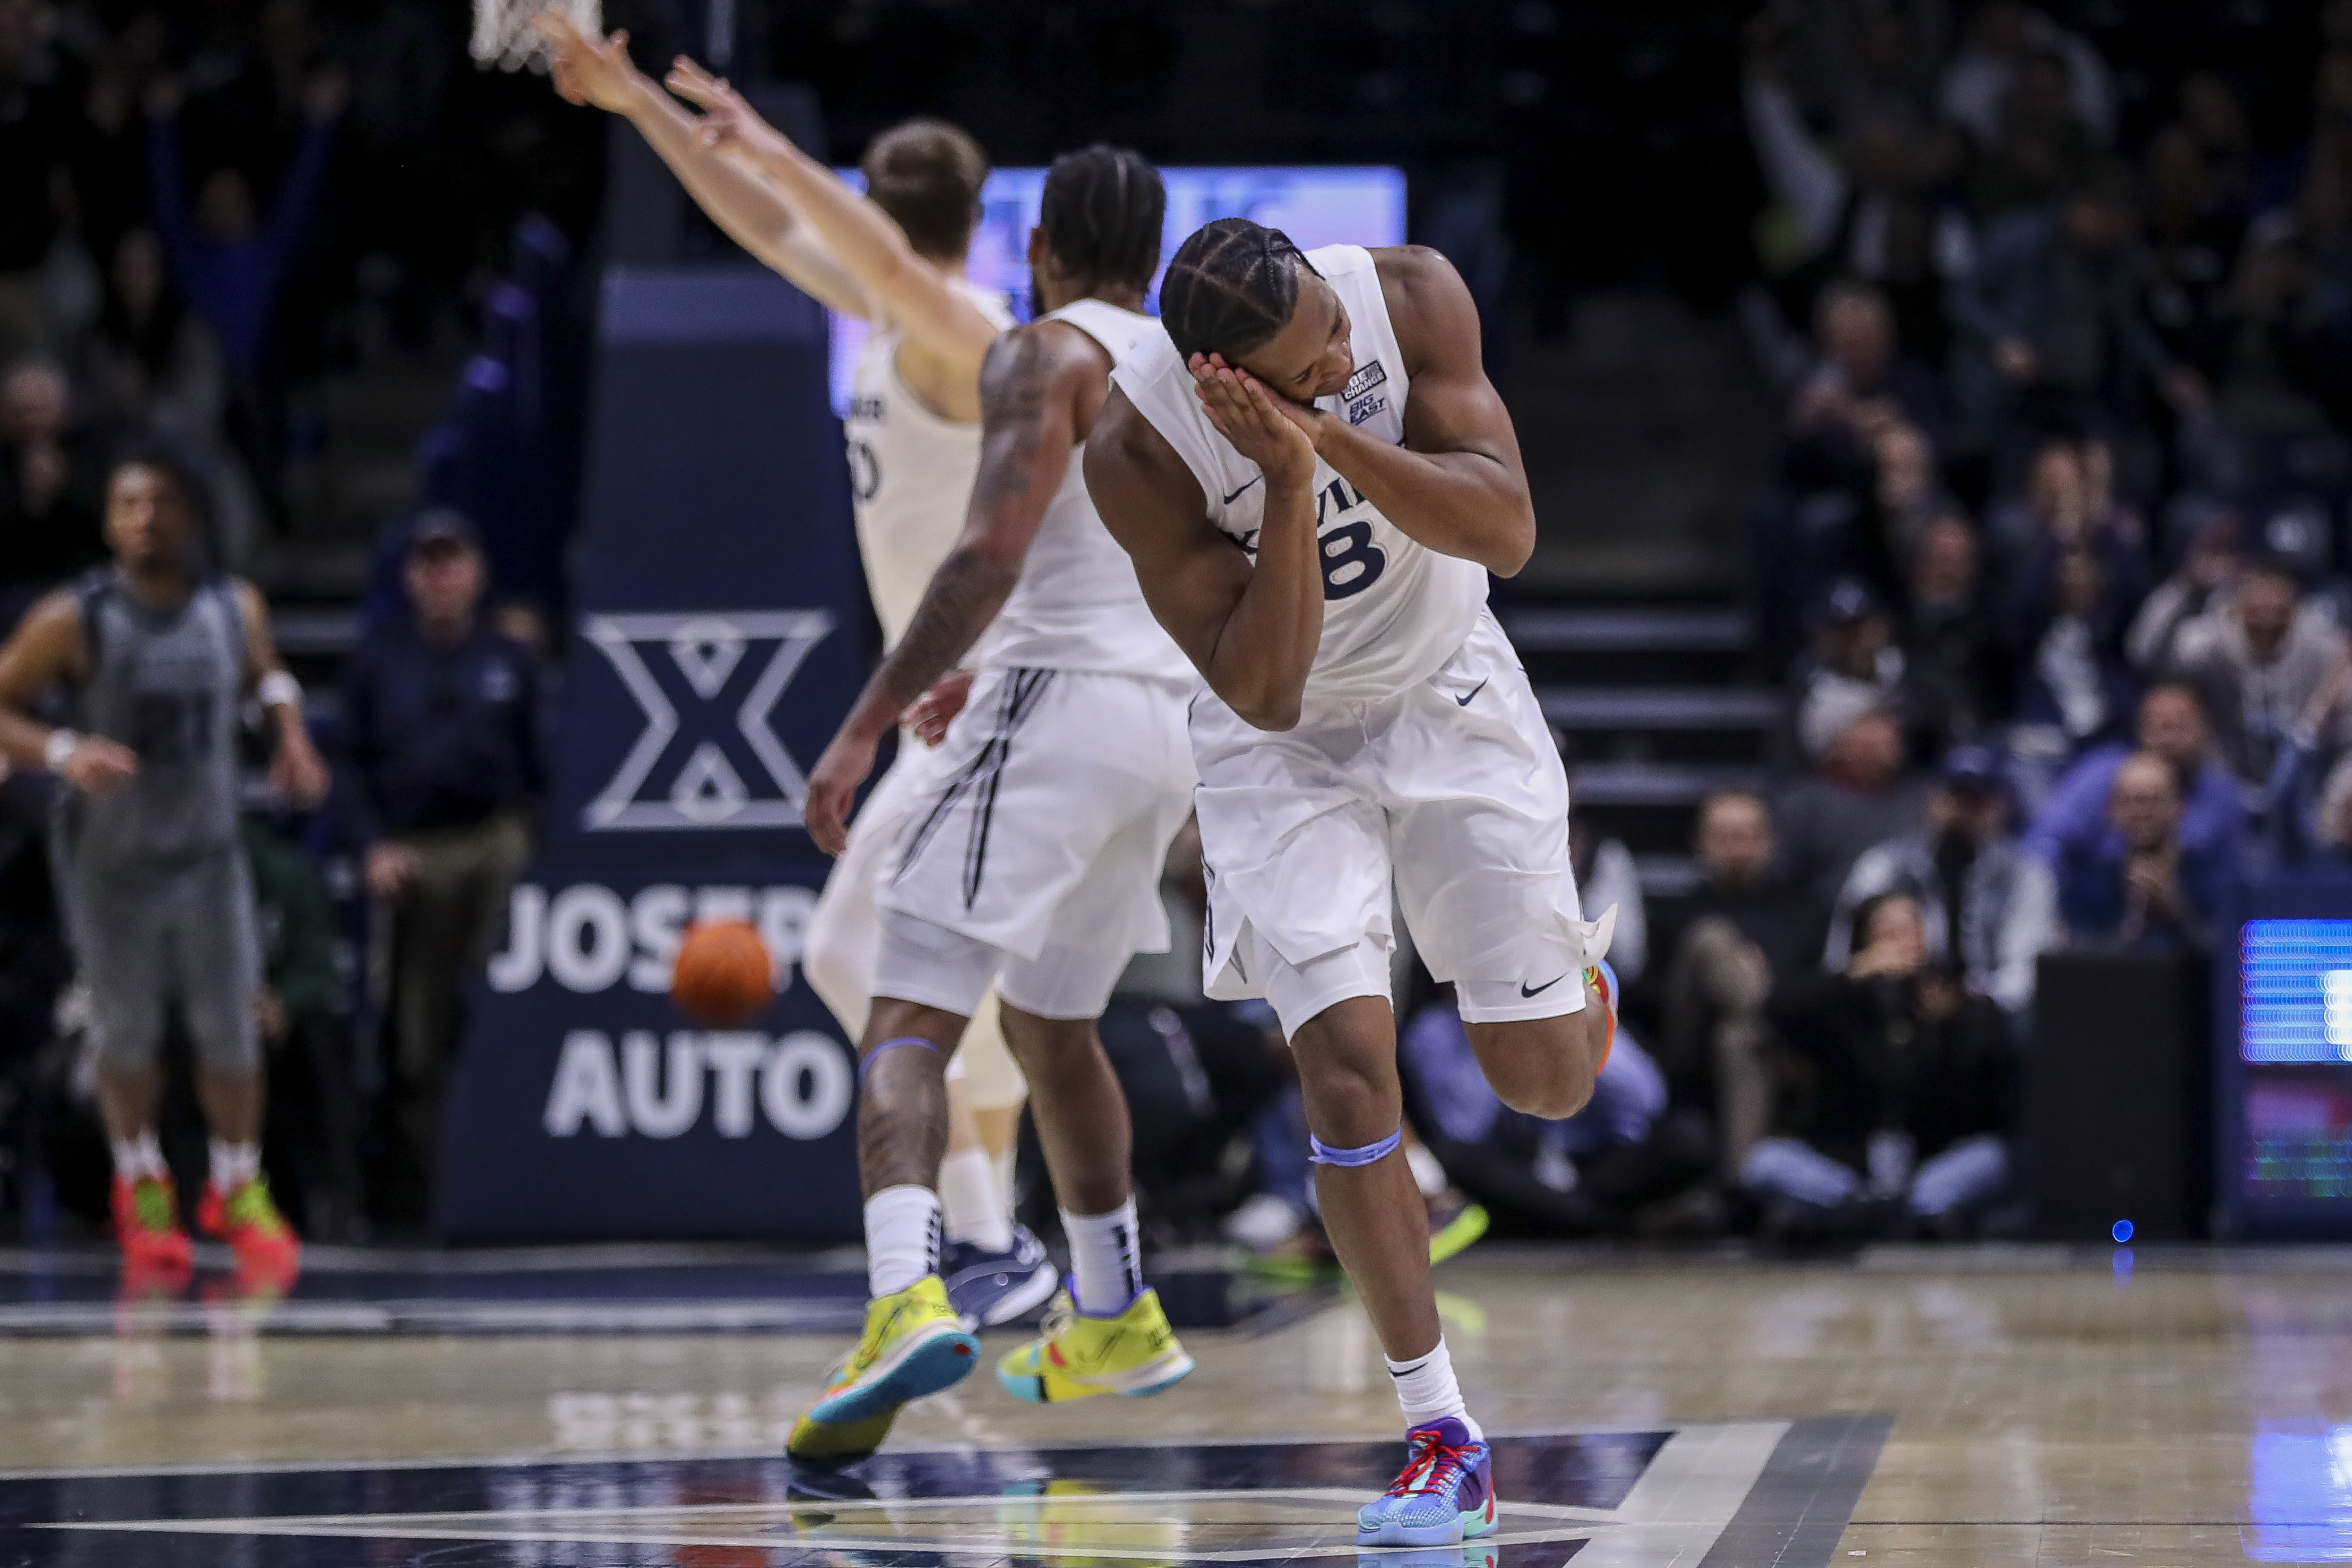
point(1040, 388)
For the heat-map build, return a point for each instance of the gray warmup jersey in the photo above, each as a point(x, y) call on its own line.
point(165, 683)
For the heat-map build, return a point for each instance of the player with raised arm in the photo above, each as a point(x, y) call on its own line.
point(896, 260)
point(1314, 477)
point(1033, 861)
point(155, 655)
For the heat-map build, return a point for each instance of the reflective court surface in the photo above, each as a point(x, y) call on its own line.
point(1915, 1406)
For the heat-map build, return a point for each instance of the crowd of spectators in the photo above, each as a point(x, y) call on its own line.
point(204, 212)
point(2051, 561)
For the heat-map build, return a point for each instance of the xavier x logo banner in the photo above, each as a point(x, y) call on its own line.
point(707, 684)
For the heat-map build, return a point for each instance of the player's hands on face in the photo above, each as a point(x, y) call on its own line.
point(391, 869)
point(833, 789)
point(298, 773)
point(930, 714)
point(98, 765)
point(728, 122)
point(586, 70)
point(1276, 433)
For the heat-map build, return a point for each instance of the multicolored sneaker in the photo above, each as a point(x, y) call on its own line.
point(1444, 1496)
point(990, 1288)
point(147, 1222)
point(914, 1344)
point(1134, 1353)
point(1603, 979)
point(268, 1254)
point(1454, 1222)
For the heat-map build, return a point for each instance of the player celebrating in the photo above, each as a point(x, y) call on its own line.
point(1314, 477)
point(1034, 858)
point(157, 655)
point(914, 445)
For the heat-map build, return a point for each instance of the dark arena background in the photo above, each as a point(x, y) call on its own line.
point(1936, 421)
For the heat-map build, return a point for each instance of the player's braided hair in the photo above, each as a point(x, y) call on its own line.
point(1231, 286)
point(1101, 213)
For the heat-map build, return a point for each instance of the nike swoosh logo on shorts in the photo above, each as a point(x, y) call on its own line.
point(1528, 990)
point(1229, 500)
point(1464, 703)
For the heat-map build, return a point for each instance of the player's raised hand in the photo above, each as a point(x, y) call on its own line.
point(728, 122)
point(1270, 431)
point(833, 788)
point(587, 70)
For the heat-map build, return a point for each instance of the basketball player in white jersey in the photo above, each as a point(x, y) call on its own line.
point(1313, 479)
point(894, 260)
point(1034, 855)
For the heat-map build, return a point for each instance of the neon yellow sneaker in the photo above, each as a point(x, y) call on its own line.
point(1134, 1353)
point(914, 1344)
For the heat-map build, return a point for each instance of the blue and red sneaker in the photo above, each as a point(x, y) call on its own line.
point(1444, 1496)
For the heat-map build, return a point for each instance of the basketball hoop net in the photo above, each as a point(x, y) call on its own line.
point(503, 36)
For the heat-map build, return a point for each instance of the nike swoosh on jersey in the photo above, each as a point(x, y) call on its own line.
point(1465, 701)
point(1229, 500)
point(1528, 990)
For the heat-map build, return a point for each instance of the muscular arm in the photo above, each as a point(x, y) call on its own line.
point(47, 648)
point(753, 212)
point(1251, 631)
point(295, 768)
point(1456, 484)
point(1038, 390)
point(597, 71)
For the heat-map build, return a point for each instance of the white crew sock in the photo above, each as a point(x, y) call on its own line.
point(1426, 1389)
point(140, 1156)
point(902, 1239)
point(973, 1205)
point(1107, 1256)
point(234, 1165)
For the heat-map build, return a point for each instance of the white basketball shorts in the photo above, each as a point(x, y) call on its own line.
point(844, 933)
point(1450, 793)
point(1040, 832)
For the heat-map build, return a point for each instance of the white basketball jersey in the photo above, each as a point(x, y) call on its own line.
point(1076, 606)
point(910, 473)
point(1394, 610)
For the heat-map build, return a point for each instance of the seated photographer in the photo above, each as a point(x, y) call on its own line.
point(1895, 1086)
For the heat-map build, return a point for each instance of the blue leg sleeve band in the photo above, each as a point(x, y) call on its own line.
point(1324, 1154)
point(875, 1053)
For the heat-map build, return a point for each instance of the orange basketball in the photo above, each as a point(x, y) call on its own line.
point(723, 976)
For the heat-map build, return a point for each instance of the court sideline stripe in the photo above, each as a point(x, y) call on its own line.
point(1797, 1511)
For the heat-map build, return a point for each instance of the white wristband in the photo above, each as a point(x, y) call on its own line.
point(59, 750)
point(278, 688)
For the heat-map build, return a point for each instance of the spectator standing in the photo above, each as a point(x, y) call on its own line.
point(1989, 908)
point(1896, 1090)
point(2052, 322)
point(2256, 663)
point(2073, 682)
point(1748, 928)
point(2137, 888)
point(36, 140)
point(2207, 576)
point(52, 486)
point(312, 1142)
point(441, 717)
point(230, 263)
point(155, 367)
point(1956, 678)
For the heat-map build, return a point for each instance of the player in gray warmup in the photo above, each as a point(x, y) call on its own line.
point(155, 655)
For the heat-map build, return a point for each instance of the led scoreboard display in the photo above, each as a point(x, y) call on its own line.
point(2284, 1069)
point(1314, 206)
